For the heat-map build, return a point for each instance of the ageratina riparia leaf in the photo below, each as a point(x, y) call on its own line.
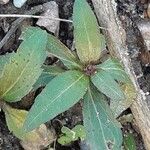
point(88, 41)
point(130, 95)
point(49, 72)
point(24, 67)
point(107, 85)
point(103, 131)
point(59, 50)
point(113, 67)
point(59, 95)
point(4, 60)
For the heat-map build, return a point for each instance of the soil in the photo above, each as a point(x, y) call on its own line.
point(130, 12)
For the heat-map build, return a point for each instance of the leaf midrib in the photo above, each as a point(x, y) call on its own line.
point(56, 98)
point(87, 35)
point(103, 135)
point(19, 77)
point(116, 69)
point(106, 85)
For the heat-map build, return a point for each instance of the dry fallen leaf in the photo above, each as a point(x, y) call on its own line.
point(43, 138)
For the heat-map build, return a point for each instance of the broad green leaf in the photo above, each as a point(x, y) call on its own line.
point(59, 50)
point(27, 32)
point(47, 75)
point(107, 85)
point(4, 60)
point(103, 131)
point(24, 68)
point(115, 69)
point(119, 106)
point(88, 40)
point(129, 142)
point(59, 95)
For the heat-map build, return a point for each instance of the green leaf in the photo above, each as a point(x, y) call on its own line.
point(24, 68)
point(88, 40)
point(68, 132)
point(59, 50)
point(4, 60)
point(59, 95)
point(129, 142)
point(80, 131)
point(119, 106)
point(103, 131)
point(64, 140)
point(47, 75)
point(27, 32)
point(113, 67)
point(67, 136)
point(107, 85)
point(43, 80)
point(52, 70)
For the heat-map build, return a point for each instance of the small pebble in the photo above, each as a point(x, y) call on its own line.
point(51, 10)
point(19, 3)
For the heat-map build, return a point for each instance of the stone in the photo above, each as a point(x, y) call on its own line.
point(51, 11)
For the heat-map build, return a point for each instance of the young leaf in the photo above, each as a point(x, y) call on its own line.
point(47, 75)
point(88, 40)
point(103, 131)
point(80, 131)
point(119, 106)
point(107, 85)
point(59, 95)
point(59, 50)
point(114, 68)
point(68, 136)
point(24, 68)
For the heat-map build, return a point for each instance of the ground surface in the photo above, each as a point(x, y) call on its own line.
point(128, 11)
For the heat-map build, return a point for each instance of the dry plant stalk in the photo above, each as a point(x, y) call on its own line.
point(116, 38)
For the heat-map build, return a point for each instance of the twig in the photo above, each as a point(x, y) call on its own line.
point(29, 14)
point(35, 16)
point(17, 22)
point(32, 16)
